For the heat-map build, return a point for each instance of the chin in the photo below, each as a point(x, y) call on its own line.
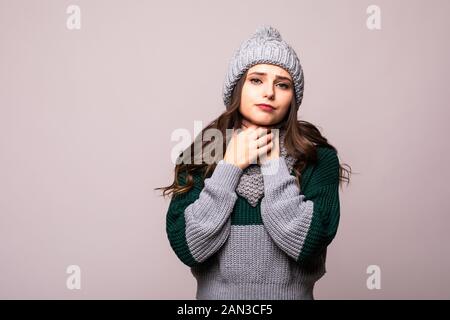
point(263, 122)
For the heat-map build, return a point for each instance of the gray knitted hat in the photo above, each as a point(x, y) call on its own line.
point(265, 46)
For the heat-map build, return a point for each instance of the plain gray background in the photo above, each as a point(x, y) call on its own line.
point(86, 118)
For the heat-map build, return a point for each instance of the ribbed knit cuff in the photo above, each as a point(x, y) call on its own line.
point(272, 167)
point(226, 175)
point(275, 173)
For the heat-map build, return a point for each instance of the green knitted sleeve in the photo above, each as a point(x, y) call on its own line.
point(175, 219)
point(323, 190)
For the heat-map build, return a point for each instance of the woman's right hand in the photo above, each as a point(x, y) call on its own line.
point(247, 145)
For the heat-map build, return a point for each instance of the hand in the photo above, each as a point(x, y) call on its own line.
point(274, 152)
point(247, 146)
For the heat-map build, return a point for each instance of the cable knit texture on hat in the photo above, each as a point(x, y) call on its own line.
point(251, 184)
point(264, 46)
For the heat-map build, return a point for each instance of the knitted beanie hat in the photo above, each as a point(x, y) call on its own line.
point(265, 46)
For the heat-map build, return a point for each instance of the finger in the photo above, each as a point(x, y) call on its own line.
point(258, 133)
point(250, 132)
point(262, 131)
point(266, 147)
point(264, 139)
point(275, 138)
point(264, 151)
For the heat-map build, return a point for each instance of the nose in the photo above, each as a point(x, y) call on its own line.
point(268, 91)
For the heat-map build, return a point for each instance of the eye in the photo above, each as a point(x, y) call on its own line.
point(283, 85)
point(286, 86)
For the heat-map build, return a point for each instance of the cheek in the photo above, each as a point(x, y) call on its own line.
point(247, 97)
point(288, 96)
point(286, 104)
point(287, 100)
point(284, 111)
point(251, 91)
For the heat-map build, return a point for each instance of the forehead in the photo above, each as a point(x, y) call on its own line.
point(270, 69)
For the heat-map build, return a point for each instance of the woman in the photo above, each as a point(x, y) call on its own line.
point(256, 223)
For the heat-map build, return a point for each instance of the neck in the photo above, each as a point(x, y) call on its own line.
point(248, 124)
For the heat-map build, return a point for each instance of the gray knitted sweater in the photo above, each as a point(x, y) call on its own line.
point(275, 249)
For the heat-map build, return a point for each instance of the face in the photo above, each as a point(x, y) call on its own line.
point(270, 85)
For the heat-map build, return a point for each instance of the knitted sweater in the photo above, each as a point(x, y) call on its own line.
point(276, 250)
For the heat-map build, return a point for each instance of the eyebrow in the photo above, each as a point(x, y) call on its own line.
point(277, 77)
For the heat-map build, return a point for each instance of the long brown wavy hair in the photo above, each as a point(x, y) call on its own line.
point(301, 140)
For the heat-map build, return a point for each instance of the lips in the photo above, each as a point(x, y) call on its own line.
point(265, 107)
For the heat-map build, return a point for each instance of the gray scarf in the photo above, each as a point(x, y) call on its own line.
point(251, 184)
